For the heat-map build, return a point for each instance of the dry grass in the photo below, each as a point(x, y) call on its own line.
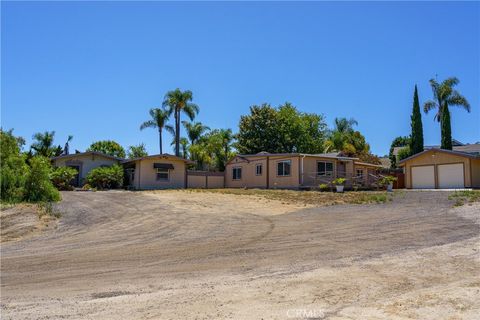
point(315, 198)
point(465, 196)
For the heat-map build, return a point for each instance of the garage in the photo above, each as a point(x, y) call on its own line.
point(442, 169)
point(451, 176)
point(423, 177)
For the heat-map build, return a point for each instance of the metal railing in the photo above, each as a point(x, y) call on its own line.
point(368, 180)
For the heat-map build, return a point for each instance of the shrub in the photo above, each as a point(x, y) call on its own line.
point(339, 181)
point(62, 176)
point(13, 169)
point(323, 187)
point(388, 180)
point(38, 187)
point(106, 177)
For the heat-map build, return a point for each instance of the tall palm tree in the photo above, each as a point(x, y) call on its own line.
point(344, 125)
point(184, 145)
point(44, 143)
point(444, 96)
point(159, 118)
point(66, 149)
point(194, 130)
point(178, 101)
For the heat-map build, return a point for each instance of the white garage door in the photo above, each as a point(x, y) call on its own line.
point(423, 177)
point(450, 176)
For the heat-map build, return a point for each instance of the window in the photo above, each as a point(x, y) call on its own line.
point(360, 173)
point(283, 168)
point(325, 168)
point(258, 170)
point(162, 174)
point(237, 173)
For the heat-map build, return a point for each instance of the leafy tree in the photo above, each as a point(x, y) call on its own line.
point(13, 169)
point(445, 123)
point(159, 118)
point(179, 102)
point(195, 130)
point(43, 145)
point(106, 177)
point(109, 147)
point(404, 153)
point(397, 142)
point(280, 130)
point(416, 141)
point(62, 177)
point(344, 125)
point(137, 151)
point(444, 96)
point(38, 187)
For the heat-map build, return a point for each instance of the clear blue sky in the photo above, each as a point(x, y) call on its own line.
point(93, 69)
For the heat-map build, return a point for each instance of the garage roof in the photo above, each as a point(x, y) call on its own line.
point(458, 153)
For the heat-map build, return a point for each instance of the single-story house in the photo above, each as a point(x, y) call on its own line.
point(297, 170)
point(161, 171)
point(442, 169)
point(84, 162)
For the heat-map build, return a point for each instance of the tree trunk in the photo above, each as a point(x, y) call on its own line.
point(177, 132)
point(160, 138)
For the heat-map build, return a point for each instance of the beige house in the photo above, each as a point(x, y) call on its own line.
point(442, 169)
point(296, 170)
point(162, 171)
point(84, 162)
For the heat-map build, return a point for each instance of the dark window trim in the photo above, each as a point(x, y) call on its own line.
point(233, 176)
point(167, 171)
point(261, 169)
point(290, 172)
point(325, 173)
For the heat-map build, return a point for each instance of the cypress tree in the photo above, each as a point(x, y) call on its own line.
point(446, 129)
point(416, 142)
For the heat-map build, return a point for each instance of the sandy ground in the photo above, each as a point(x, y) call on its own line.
point(184, 255)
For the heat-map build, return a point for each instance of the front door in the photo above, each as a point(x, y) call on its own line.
point(76, 180)
point(341, 170)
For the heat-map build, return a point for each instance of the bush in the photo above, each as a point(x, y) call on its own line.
point(106, 177)
point(323, 187)
point(62, 177)
point(38, 187)
point(13, 169)
point(339, 181)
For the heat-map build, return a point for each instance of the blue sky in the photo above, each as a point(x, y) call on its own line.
point(93, 69)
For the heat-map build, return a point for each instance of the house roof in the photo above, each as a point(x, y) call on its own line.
point(369, 164)
point(386, 163)
point(333, 155)
point(164, 156)
point(79, 154)
point(456, 146)
point(457, 153)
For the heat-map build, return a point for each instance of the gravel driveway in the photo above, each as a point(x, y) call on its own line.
point(175, 254)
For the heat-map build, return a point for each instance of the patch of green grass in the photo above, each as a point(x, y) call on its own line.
point(464, 196)
point(308, 197)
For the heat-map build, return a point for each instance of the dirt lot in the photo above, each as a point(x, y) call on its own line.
point(190, 255)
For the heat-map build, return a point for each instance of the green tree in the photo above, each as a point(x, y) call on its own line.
point(416, 140)
point(184, 147)
point(195, 130)
point(137, 151)
point(179, 102)
point(62, 177)
point(159, 118)
point(43, 145)
point(444, 96)
point(404, 153)
point(38, 187)
point(397, 142)
point(13, 169)
point(280, 130)
point(109, 147)
point(446, 142)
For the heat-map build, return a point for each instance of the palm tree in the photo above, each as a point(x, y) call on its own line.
point(178, 101)
point(344, 125)
point(44, 143)
point(444, 96)
point(194, 130)
point(66, 149)
point(158, 120)
point(184, 147)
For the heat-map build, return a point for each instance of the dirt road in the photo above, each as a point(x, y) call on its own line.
point(178, 254)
